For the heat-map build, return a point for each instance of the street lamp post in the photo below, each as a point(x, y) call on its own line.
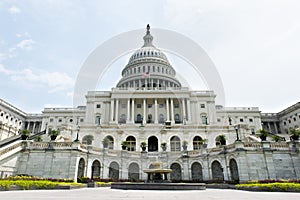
point(237, 132)
point(78, 129)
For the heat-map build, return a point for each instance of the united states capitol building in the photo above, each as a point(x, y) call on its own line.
point(181, 128)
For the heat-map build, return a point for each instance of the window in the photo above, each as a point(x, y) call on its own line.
point(289, 121)
point(131, 143)
point(71, 120)
point(177, 119)
point(2, 115)
point(218, 120)
point(138, 105)
point(51, 120)
point(81, 120)
point(204, 119)
point(250, 120)
point(122, 119)
point(123, 105)
point(98, 106)
point(110, 142)
point(252, 131)
point(241, 120)
point(161, 118)
point(202, 105)
point(98, 120)
point(295, 119)
point(197, 142)
point(88, 140)
point(176, 105)
point(175, 143)
point(149, 105)
point(161, 105)
point(59, 120)
point(138, 118)
point(284, 123)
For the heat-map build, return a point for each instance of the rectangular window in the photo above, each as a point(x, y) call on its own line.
point(176, 105)
point(250, 120)
point(161, 105)
point(123, 105)
point(98, 106)
point(81, 120)
point(241, 120)
point(202, 105)
point(204, 119)
point(149, 105)
point(219, 120)
point(59, 120)
point(51, 119)
point(138, 105)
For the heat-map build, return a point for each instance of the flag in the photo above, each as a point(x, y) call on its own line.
point(146, 74)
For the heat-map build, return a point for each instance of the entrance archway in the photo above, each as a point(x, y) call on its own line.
point(197, 172)
point(217, 171)
point(152, 144)
point(176, 172)
point(113, 170)
point(133, 171)
point(81, 164)
point(96, 167)
point(234, 172)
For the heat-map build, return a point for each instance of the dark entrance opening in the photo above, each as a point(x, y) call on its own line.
point(152, 143)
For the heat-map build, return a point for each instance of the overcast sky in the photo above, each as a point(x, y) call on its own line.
point(255, 46)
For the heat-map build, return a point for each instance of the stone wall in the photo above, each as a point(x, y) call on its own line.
point(243, 161)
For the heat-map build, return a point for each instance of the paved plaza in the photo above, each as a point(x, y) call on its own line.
point(110, 194)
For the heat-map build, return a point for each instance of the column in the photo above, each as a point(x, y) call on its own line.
point(189, 118)
point(155, 111)
point(172, 111)
point(112, 109)
point(144, 111)
point(132, 110)
point(269, 127)
point(140, 83)
point(128, 110)
point(117, 111)
point(167, 105)
point(275, 126)
point(183, 110)
point(152, 84)
point(157, 83)
point(33, 128)
point(28, 123)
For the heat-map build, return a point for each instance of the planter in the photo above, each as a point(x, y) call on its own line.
point(143, 148)
point(263, 137)
point(124, 147)
point(184, 147)
point(105, 146)
point(204, 146)
point(24, 137)
point(295, 137)
point(53, 137)
point(164, 148)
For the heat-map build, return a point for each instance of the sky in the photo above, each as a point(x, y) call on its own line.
point(254, 45)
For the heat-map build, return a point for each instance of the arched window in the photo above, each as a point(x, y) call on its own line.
point(131, 143)
point(88, 140)
point(175, 143)
point(133, 171)
point(196, 172)
point(197, 142)
point(113, 170)
point(149, 120)
point(152, 144)
point(96, 167)
point(161, 118)
point(110, 140)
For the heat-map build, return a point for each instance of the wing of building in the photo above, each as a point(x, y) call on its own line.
point(182, 128)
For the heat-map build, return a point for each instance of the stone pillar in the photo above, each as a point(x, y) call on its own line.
point(183, 110)
point(117, 111)
point(128, 110)
point(275, 126)
point(158, 83)
point(28, 125)
point(144, 111)
point(269, 127)
point(112, 109)
point(33, 128)
point(189, 117)
point(132, 110)
point(155, 112)
point(172, 111)
point(186, 174)
point(152, 84)
point(168, 113)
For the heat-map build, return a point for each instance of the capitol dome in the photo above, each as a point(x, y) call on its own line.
point(148, 67)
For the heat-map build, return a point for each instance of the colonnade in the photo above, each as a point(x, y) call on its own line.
point(185, 110)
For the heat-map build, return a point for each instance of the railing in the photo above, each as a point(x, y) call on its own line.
point(252, 145)
point(10, 148)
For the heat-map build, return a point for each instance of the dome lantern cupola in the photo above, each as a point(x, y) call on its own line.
point(148, 67)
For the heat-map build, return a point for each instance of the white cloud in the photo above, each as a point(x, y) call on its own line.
point(55, 81)
point(26, 44)
point(14, 10)
point(2, 57)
